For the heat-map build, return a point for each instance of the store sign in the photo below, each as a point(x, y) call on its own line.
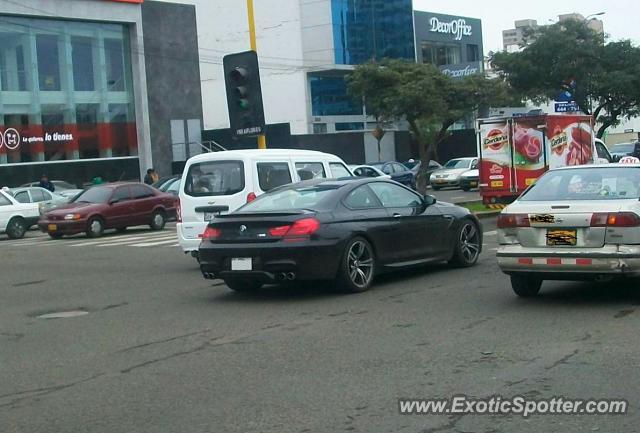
point(11, 138)
point(461, 71)
point(458, 27)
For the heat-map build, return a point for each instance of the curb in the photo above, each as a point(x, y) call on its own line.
point(487, 214)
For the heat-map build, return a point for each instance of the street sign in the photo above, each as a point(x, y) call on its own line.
point(566, 107)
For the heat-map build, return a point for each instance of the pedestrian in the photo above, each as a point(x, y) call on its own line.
point(151, 176)
point(46, 183)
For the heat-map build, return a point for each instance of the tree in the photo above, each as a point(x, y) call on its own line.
point(429, 101)
point(604, 77)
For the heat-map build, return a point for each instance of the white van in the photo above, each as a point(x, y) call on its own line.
point(221, 182)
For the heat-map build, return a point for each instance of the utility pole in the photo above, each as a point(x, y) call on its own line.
point(262, 140)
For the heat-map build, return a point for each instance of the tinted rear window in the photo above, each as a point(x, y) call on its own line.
point(214, 178)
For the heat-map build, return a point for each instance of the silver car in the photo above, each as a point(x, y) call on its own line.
point(449, 174)
point(45, 199)
point(574, 223)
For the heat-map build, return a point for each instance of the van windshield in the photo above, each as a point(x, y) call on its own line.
point(214, 178)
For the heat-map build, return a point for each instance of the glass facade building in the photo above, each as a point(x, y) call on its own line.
point(66, 91)
point(372, 29)
point(329, 96)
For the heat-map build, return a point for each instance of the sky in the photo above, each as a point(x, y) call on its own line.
point(620, 18)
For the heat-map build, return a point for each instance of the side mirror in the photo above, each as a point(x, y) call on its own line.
point(429, 200)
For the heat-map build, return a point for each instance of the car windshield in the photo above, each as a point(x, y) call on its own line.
point(458, 163)
point(302, 197)
point(594, 184)
point(97, 194)
point(622, 148)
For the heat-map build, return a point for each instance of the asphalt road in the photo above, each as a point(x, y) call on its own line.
point(163, 350)
point(452, 195)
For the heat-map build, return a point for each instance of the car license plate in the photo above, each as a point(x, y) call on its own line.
point(52, 227)
point(208, 216)
point(241, 264)
point(440, 181)
point(473, 183)
point(561, 237)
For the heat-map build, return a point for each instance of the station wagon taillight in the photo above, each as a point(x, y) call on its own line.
point(178, 211)
point(508, 221)
point(615, 219)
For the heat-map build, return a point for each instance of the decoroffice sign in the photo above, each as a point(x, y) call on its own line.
point(457, 27)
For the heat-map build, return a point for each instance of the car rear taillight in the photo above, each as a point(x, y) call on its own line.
point(599, 219)
point(178, 211)
point(623, 219)
point(211, 233)
point(251, 197)
point(507, 221)
point(299, 230)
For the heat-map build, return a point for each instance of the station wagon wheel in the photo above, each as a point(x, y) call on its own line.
point(95, 227)
point(467, 248)
point(358, 266)
point(16, 228)
point(158, 220)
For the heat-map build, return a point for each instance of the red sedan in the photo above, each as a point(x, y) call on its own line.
point(112, 206)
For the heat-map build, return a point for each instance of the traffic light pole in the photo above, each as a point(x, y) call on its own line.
point(262, 140)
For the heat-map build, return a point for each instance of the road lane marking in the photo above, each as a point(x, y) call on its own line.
point(151, 244)
point(491, 233)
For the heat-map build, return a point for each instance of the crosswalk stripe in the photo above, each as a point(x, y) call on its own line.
point(149, 236)
point(135, 241)
point(151, 244)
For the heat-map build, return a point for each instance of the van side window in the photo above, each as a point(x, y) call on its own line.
point(339, 170)
point(310, 170)
point(273, 174)
point(214, 178)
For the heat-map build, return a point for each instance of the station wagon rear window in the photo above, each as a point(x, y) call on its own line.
point(612, 183)
point(214, 178)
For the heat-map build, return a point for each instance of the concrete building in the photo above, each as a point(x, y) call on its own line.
point(97, 87)
point(526, 31)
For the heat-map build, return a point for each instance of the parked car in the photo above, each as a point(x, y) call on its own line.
point(449, 174)
point(368, 171)
point(574, 223)
point(621, 150)
point(397, 171)
point(110, 206)
point(45, 199)
point(62, 188)
point(346, 230)
point(219, 182)
point(433, 166)
point(469, 179)
point(171, 185)
point(16, 217)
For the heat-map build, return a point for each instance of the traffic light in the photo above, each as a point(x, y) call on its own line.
point(244, 93)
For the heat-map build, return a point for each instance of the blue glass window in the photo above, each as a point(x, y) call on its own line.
point(372, 29)
point(329, 97)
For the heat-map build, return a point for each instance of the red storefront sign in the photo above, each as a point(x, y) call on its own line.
point(65, 142)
